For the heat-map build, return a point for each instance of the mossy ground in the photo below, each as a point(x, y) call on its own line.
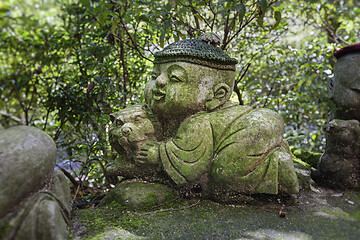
point(309, 215)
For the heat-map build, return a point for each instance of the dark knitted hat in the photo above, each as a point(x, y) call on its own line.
point(199, 51)
point(348, 49)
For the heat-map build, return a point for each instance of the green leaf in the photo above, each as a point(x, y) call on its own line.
point(176, 37)
point(180, 34)
point(162, 39)
point(114, 27)
point(85, 3)
point(241, 9)
point(101, 19)
point(263, 5)
point(277, 16)
point(144, 18)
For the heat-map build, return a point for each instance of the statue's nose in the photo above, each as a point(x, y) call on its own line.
point(162, 80)
point(126, 130)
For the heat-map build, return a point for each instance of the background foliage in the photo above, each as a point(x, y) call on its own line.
point(65, 65)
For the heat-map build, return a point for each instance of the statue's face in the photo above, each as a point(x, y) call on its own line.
point(130, 129)
point(179, 89)
point(346, 91)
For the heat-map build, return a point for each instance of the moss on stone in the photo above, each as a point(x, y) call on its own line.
point(184, 219)
point(309, 157)
point(139, 195)
point(115, 218)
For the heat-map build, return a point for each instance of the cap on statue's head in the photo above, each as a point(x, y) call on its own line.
point(355, 48)
point(202, 51)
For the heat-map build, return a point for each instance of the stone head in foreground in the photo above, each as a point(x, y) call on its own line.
point(35, 200)
point(200, 140)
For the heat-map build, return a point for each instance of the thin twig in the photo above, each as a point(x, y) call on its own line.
point(69, 176)
point(236, 88)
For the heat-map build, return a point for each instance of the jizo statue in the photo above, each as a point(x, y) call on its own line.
point(339, 166)
point(189, 135)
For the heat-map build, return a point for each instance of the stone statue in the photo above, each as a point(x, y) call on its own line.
point(35, 201)
point(197, 137)
point(339, 166)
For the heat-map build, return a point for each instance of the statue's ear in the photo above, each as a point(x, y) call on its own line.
point(220, 94)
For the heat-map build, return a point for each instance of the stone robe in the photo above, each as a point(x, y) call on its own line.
point(236, 147)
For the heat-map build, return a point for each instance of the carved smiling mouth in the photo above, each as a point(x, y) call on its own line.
point(159, 95)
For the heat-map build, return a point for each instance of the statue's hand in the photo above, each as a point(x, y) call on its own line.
point(148, 154)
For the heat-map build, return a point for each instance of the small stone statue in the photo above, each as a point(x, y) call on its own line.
point(339, 166)
point(131, 128)
point(35, 201)
point(197, 137)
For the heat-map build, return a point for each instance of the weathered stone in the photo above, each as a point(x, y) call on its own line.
point(35, 202)
point(130, 130)
point(303, 173)
point(345, 89)
point(339, 166)
point(139, 195)
point(27, 159)
point(44, 215)
point(325, 214)
point(198, 139)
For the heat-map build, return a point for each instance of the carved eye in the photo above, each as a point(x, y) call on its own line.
point(175, 78)
point(119, 122)
point(177, 73)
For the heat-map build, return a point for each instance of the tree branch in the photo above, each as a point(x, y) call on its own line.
point(12, 117)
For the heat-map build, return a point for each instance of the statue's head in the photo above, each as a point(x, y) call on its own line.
point(345, 90)
point(190, 76)
point(130, 129)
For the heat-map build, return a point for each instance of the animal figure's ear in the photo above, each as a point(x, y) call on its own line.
point(112, 117)
point(220, 94)
point(117, 118)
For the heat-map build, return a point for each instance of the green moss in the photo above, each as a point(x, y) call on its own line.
point(116, 217)
point(184, 219)
point(309, 157)
point(353, 216)
point(356, 215)
point(99, 220)
point(298, 160)
point(3, 228)
point(139, 195)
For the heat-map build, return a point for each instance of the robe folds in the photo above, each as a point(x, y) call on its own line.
point(239, 148)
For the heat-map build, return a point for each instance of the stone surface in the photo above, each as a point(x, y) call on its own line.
point(27, 159)
point(310, 215)
point(345, 89)
point(303, 173)
point(35, 201)
point(44, 215)
point(139, 195)
point(130, 130)
point(339, 166)
point(189, 135)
